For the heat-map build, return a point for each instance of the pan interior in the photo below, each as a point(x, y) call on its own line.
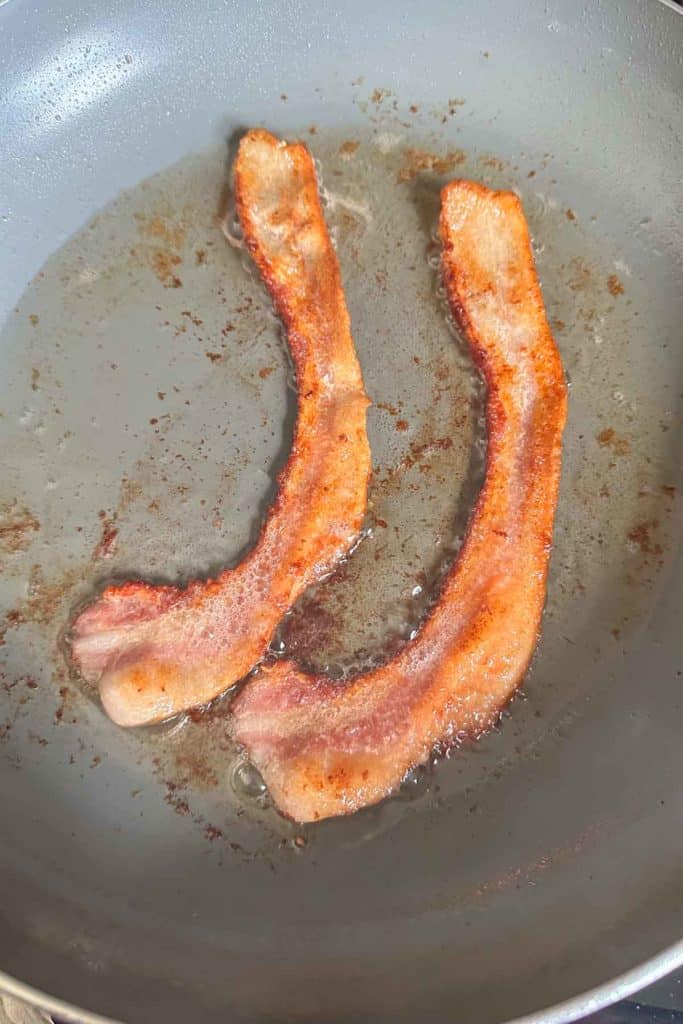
point(150, 406)
point(146, 409)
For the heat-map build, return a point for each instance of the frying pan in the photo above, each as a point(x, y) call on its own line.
point(144, 875)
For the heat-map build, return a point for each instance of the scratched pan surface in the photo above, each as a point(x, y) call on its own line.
point(145, 407)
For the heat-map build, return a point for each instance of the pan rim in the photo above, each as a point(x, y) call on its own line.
point(609, 992)
point(597, 998)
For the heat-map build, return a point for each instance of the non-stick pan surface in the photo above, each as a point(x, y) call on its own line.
point(145, 409)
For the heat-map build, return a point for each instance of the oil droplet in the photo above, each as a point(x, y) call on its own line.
point(247, 781)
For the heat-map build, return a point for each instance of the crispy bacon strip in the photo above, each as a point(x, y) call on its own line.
point(156, 651)
point(326, 748)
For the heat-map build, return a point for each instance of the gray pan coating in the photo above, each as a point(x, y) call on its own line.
point(145, 408)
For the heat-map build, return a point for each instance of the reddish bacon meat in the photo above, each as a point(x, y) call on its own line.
point(326, 748)
point(155, 651)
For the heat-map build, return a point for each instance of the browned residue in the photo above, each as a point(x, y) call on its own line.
point(44, 600)
point(312, 626)
point(640, 535)
point(265, 372)
point(164, 258)
point(20, 692)
point(417, 160)
point(158, 227)
point(569, 214)
point(107, 543)
point(189, 315)
point(35, 377)
point(178, 803)
point(348, 148)
point(192, 768)
point(212, 832)
point(614, 285)
point(580, 274)
point(347, 225)
point(418, 456)
point(213, 356)
point(316, 623)
point(17, 525)
point(163, 265)
point(608, 438)
point(528, 875)
point(379, 95)
point(130, 491)
point(494, 162)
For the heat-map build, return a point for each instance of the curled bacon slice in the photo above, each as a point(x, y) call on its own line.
point(326, 748)
point(156, 651)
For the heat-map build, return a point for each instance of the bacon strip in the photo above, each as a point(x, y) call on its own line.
point(326, 748)
point(156, 651)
